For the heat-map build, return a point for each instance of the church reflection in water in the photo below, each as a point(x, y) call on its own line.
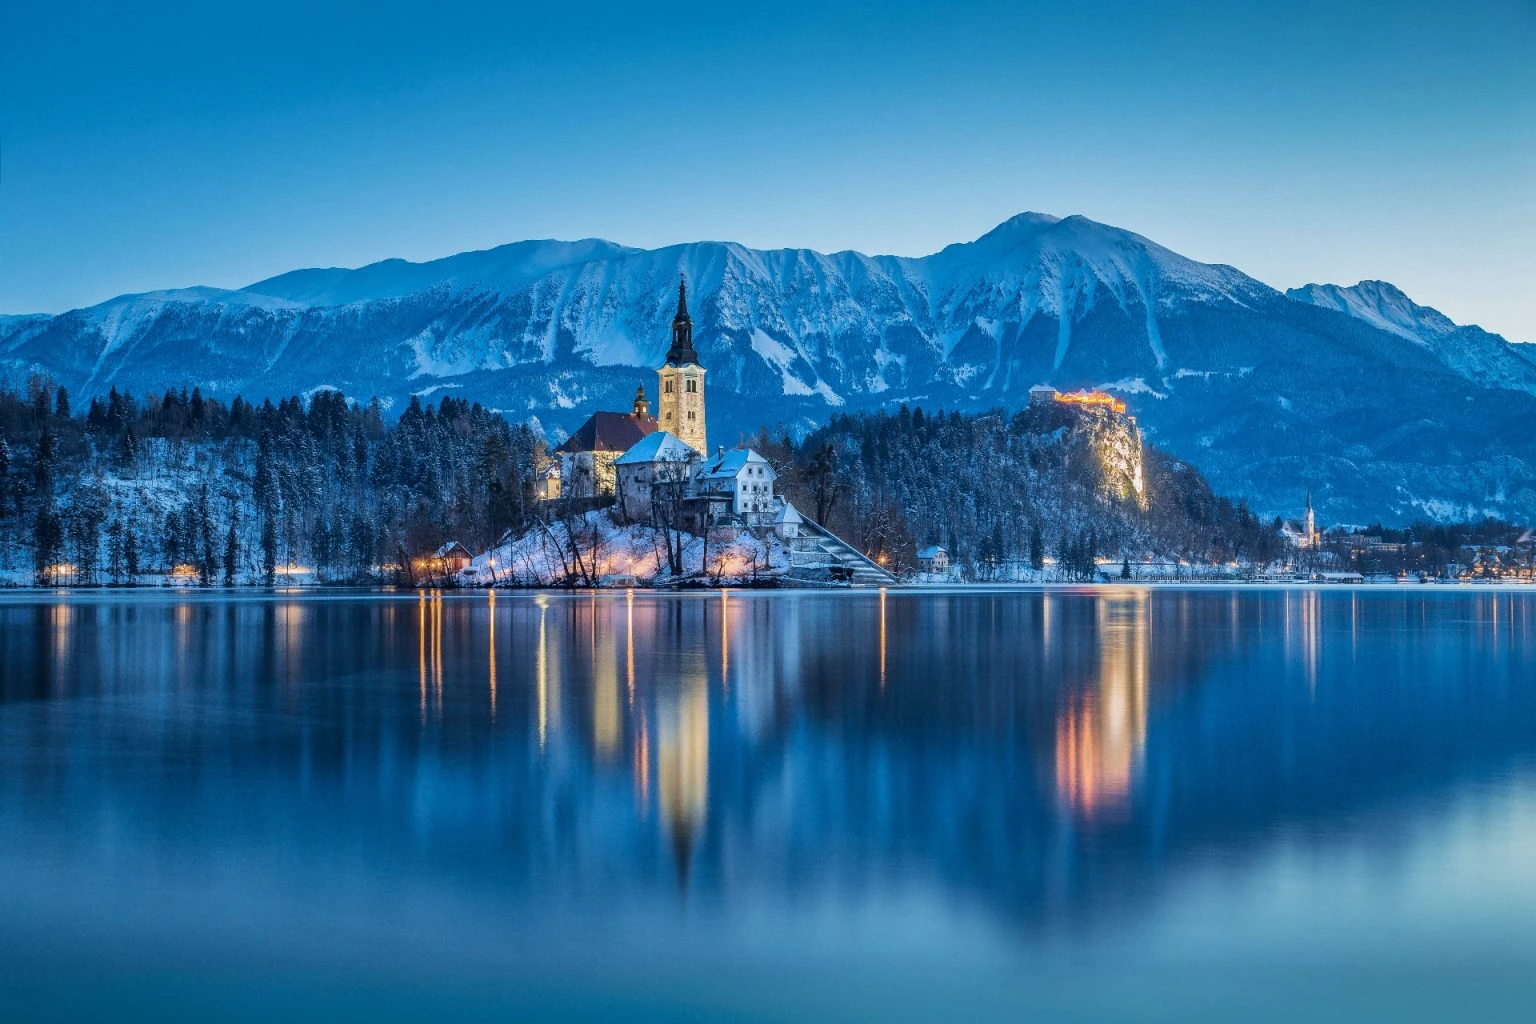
point(585, 742)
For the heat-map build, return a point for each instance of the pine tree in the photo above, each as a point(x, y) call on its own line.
point(1036, 549)
point(269, 551)
point(42, 470)
point(231, 548)
point(206, 564)
point(61, 404)
point(47, 542)
point(1125, 567)
point(131, 557)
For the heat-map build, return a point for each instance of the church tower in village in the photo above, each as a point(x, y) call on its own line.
point(682, 381)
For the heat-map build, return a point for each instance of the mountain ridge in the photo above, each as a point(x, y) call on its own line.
point(1268, 392)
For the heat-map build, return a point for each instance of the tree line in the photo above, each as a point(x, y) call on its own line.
point(184, 485)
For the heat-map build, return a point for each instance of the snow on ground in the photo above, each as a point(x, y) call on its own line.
point(543, 557)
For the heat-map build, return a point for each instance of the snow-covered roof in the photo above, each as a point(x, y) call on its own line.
point(931, 552)
point(1042, 389)
point(661, 446)
point(788, 515)
point(729, 465)
point(448, 549)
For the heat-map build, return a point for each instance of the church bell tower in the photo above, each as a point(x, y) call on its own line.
point(682, 381)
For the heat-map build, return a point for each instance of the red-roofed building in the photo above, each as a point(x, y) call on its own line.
point(587, 456)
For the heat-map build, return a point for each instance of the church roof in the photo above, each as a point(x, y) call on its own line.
point(682, 352)
point(660, 446)
point(609, 432)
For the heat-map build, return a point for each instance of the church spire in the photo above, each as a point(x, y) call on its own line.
point(681, 353)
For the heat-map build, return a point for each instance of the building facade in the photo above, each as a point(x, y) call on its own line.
point(659, 468)
point(588, 455)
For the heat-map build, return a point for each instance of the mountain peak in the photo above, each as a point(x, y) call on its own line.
point(1380, 304)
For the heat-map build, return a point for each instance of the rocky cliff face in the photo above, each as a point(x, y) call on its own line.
point(1268, 394)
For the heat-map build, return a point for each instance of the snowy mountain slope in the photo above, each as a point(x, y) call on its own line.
point(1471, 351)
point(1268, 394)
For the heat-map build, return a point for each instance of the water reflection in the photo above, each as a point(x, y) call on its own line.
point(1058, 761)
point(1102, 727)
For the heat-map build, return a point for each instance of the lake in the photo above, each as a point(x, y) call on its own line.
point(1100, 803)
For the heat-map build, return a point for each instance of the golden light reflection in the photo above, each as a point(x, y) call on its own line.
point(882, 638)
point(606, 720)
point(421, 648)
point(60, 617)
point(491, 600)
point(541, 675)
point(682, 764)
point(643, 765)
point(1101, 734)
point(629, 644)
point(437, 650)
point(725, 640)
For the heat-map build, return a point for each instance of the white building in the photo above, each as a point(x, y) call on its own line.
point(659, 459)
point(745, 478)
point(933, 559)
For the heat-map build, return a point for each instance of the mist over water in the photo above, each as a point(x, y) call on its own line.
point(1109, 802)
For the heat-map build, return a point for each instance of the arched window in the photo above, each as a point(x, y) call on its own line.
point(668, 387)
point(693, 387)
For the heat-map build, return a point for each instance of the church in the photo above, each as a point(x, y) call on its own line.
point(658, 471)
point(584, 466)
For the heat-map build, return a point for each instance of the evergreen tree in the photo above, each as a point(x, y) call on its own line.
point(61, 404)
point(269, 550)
point(1036, 549)
point(47, 543)
point(43, 465)
point(131, 556)
point(232, 547)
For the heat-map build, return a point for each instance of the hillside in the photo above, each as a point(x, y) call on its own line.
point(1380, 416)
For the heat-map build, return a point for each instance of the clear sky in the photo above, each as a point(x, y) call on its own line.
point(159, 145)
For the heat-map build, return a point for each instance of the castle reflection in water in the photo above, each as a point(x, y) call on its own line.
point(1015, 743)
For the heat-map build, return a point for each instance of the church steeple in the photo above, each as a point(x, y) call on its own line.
point(680, 381)
point(681, 353)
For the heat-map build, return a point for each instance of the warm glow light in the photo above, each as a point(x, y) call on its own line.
point(184, 572)
point(285, 570)
point(1092, 398)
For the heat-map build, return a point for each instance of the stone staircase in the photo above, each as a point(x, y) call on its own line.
point(819, 555)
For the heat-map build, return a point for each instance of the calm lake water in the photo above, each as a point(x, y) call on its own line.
point(1114, 803)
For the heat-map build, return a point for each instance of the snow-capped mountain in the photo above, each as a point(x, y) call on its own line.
point(1352, 394)
point(1470, 350)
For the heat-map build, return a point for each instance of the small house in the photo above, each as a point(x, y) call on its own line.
point(741, 480)
point(446, 561)
point(658, 466)
point(933, 559)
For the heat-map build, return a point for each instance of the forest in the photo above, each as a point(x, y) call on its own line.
point(182, 486)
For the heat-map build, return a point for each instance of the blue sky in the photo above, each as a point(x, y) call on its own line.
point(179, 145)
